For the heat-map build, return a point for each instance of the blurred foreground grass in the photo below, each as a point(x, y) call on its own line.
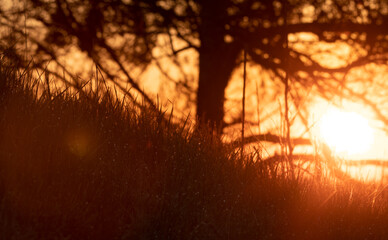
point(74, 165)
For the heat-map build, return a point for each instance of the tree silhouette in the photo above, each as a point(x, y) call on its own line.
point(125, 33)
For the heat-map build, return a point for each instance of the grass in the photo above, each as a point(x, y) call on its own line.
point(82, 166)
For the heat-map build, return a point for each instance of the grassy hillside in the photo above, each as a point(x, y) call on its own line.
point(81, 166)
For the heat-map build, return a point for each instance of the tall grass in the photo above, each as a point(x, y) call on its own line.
point(74, 165)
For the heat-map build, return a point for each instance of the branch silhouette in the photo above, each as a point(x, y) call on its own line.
point(268, 137)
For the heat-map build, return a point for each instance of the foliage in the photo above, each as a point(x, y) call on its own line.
point(122, 35)
point(81, 165)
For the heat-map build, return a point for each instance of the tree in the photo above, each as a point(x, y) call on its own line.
point(124, 33)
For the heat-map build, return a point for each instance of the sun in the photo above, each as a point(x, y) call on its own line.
point(346, 133)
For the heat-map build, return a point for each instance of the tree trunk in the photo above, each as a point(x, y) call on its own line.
point(217, 60)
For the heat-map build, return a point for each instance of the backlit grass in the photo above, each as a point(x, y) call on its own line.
point(82, 166)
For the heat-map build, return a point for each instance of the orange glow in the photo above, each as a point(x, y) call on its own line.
point(352, 134)
point(346, 133)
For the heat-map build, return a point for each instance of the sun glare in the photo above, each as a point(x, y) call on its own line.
point(346, 133)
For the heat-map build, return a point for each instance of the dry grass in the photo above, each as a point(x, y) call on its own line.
point(81, 166)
